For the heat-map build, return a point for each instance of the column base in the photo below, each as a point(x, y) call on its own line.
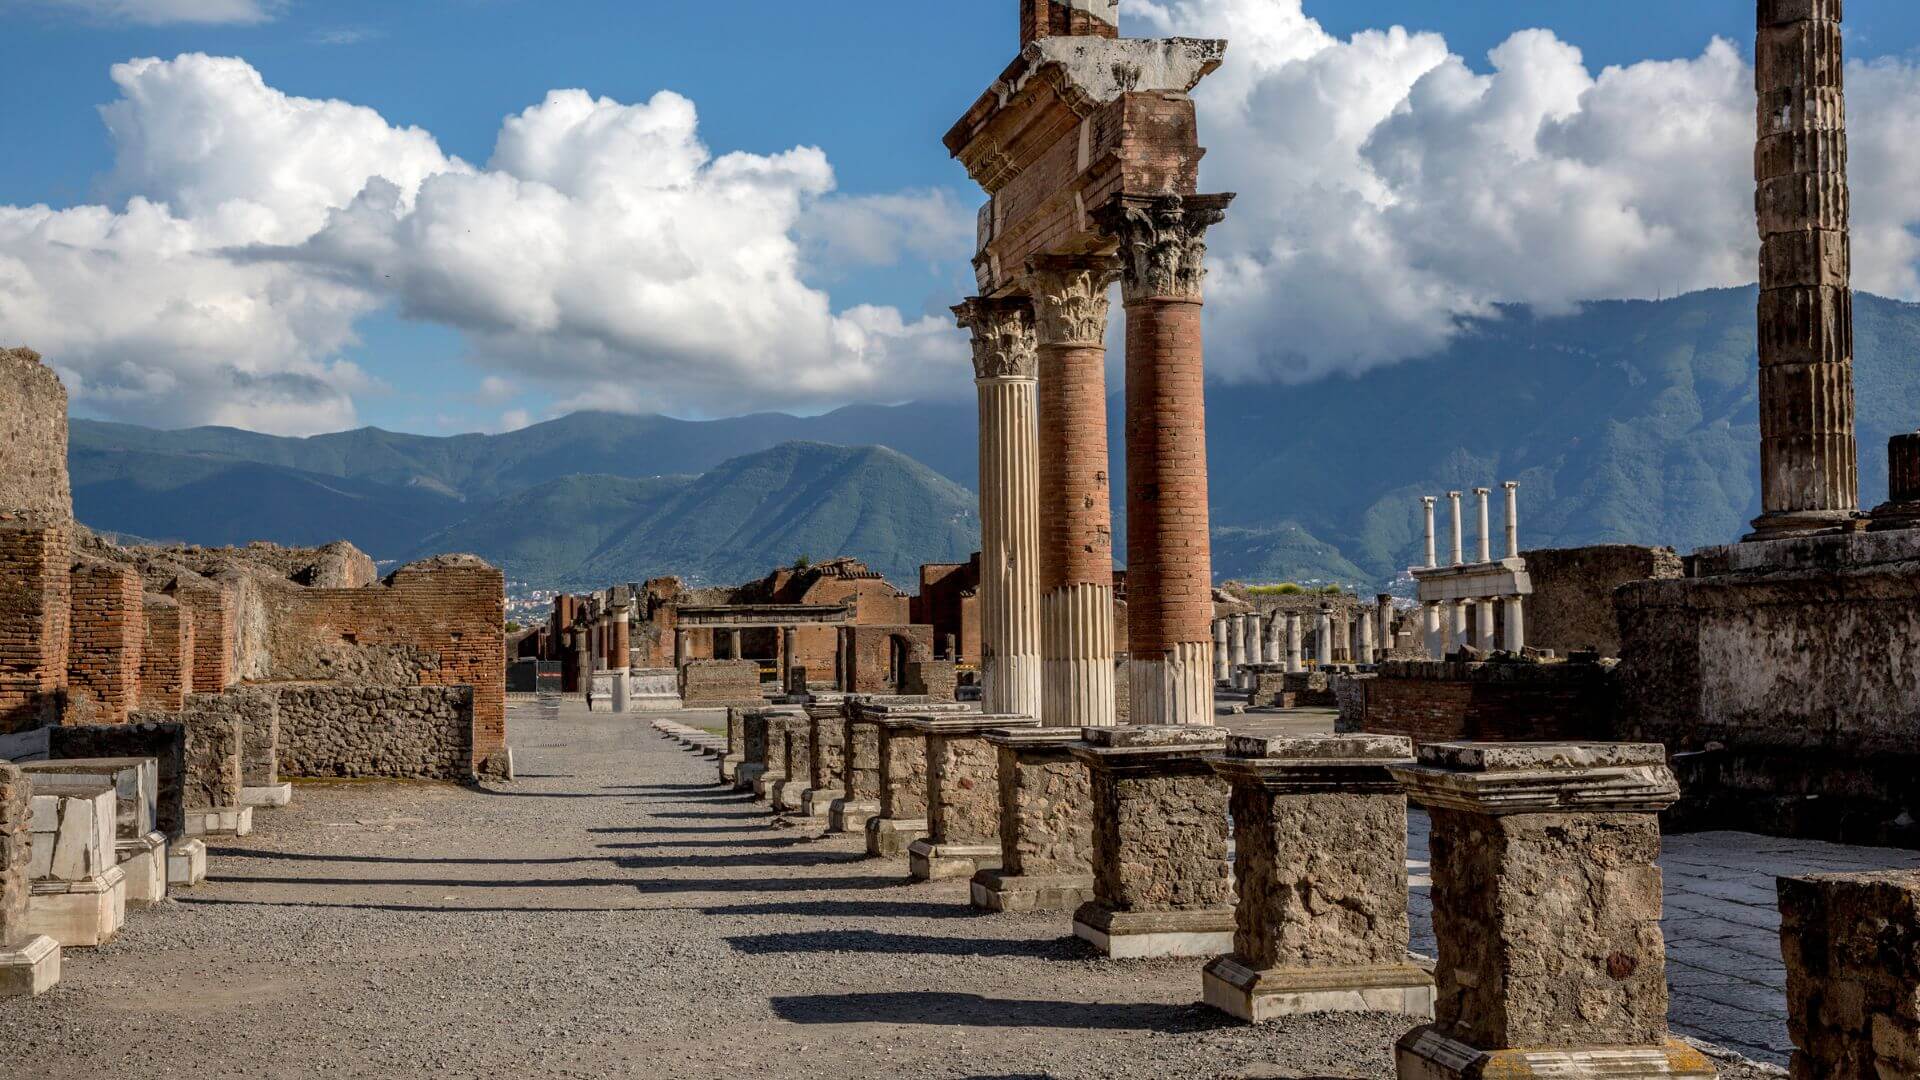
point(730, 766)
point(145, 863)
point(30, 968)
point(81, 914)
point(1896, 515)
point(1261, 995)
point(746, 776)
point(928, 861)
point(220, 821)
point(1136, 935)
point(186, 864)
point(818, 802)
point(270, 795)
point(889, 838)
point(784, 795)
point(1425, 1054)
point(764, 783)
point(995, 890)
point(851, 815)
point(1786, 525)
point(1172, 689)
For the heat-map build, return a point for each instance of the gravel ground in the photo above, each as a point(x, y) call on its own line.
point(613, 913)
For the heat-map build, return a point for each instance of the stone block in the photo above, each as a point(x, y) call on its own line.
point(272, 795)
point(891, 838)
point(135, 783)
point(16, 842)
point(73, 832)
point(144, 861)
point(963, 796)
point(80, 914)
point(220, 821)
point(186, 864)
point(30, 968)
point(1852, 948)
point(1046, 825)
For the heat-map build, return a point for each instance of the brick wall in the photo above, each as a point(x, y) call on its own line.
point(212, 608)
point(34, 561)
point(708, 684)
point(1572, 603)
point(166, 655)
point(934, 679)
point(1432, 701)
point(106, 639)
point(872, 649)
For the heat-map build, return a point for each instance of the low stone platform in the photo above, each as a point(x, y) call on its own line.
point(271, 795)
point(81, 914)
point(30, 968)
point(220, 821)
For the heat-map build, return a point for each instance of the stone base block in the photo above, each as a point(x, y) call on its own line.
point(928, 861)
point(78, 914)
point(818, 802)
point(1136, 935)
point(993, 890)
point(30, 968)
point(784, 795)
point(851, 815)
point(1262, 995)
point(273, 795)
point(186, 864)
point(765, 782)
point(220, 821)
point(1425, 1054)
point(144, 861)
point(747, 774)
point(889, 838)
point(730, 767)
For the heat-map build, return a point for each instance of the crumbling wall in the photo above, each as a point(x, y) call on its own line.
point(16, 816)
point(1437, 701)
point(166, 655)
point(33, 439)
point(1571, 607)
point(415, 733)
point(711, 684)
point(215, 728)
point(34, 598)
point(873, 648)
point(107, 633)
point(213, 610)
point(1852, 949)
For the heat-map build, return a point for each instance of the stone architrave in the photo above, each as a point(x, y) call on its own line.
point(1546, 907)
point(1809, 481)
point(826, 747)
point(29, 963)
point(1075, 506)
point(1320, 865)
point(963, 797)
point(1046, 826)
point(1162, 886)
point(1162, 245)
point(1005, 366)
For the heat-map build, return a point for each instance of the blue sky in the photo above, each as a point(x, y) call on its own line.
point(873, 93)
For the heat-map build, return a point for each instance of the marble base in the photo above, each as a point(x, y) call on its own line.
point(220, 821)
point(994, 890)
point(818, 802)
point(851, 815)
point(1136, 935)
point(1261, 995)
point(928, 861)
point(889, 838)
point(30, 968)
point(145, 863)
point(1425, 1054)
point(78, 914)
point(271, 795)
point(186, 864)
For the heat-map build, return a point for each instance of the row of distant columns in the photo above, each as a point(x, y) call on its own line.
point(1047, 640)
point(1249, 638)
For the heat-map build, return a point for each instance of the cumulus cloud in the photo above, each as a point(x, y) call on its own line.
point(162, 12)
point(1388, 189)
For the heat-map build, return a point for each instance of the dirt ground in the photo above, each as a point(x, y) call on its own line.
point(614, 913)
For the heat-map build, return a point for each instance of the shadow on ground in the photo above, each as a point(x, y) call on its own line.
point(973, 1010)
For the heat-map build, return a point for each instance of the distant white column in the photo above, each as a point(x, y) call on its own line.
point(1365, 655)
point(1483, 619)
point(1294, 664)
point(1486, 527)
point(1513, 518)
point(1237, 644)
point(1459, 549)
point(1323, 637)
point(1222, 662)
point(1433, 551)
point(1276, 639)
point(1436, 643)
point(1457, 625)
point(1384, 613)
point(1516, 624)
point(1256, 642)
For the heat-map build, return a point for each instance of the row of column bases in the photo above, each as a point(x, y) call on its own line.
point(1283, 861)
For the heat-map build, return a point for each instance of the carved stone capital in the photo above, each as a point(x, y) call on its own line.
point(1070, 297)
point(1003, 340)
point(1163, 246)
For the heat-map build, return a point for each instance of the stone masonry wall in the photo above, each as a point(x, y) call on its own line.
point(1046, 795)
point(1437, 701)
point(33, 439)
point(34, 586)
point(1333, 896)
point(963, 772)
point(707, 684)
point(1852, 949)
point(215, 726)
point(413, 732)
point(15, 816)
point(166, 655)
point(1572, 603)
point(165, 742)
point(1170, 825)
point(860, 746)
point(903, 773)
point(107, 633)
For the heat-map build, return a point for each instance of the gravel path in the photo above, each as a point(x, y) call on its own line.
point(615, 914)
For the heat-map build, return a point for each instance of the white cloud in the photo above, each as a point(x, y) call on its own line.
point(162, 12)
point(1388, 190)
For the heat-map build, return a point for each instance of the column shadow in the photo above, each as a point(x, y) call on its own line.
point(972, 1010)
point(880, 941)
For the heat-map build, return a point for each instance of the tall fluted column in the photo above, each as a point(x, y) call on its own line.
point(1169, 553)
point(1005, 368)
point(1459, 531)
point(1076, 507)
point(1365, 653)
point(1237, 648)
point(1809, 479)
point(1483, 624)
point(1513, 518)
point(1323, 636)
point(1516, 638)
point(1433, 552)
point(1256, 641)
point(1222, 665)
point(1480, 495)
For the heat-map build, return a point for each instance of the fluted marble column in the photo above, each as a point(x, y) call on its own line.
point(1162, 245)
point(1809, 479)
point(1076, 511)
point(1237, 647)
point(1222, 664)
point(1005, 366)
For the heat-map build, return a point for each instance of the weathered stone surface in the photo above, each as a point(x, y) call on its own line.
point(902, 754)
point(33, 438)
point(215, 726)
point(1852, 949)
point(418, 732)
point(1322, 879)
point(1514, 757)
point(1152, 737)
point(1046, 820)
point(1321, 747)
point(860, 747)
point(827, 740)
point(16, 808)
point(1160, 836)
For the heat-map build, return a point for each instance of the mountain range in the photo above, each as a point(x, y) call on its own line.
point(1627, 421)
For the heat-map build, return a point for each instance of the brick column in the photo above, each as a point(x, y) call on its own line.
point(1546, 909)
point(1852, 948)
point(1809, 479)
point(107, 632)
point(1075, 505)
point(166, 655)
point(1169, 552)
point(1068, 18)
point(1005, 369)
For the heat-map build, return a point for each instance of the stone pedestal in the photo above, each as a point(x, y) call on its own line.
point(795, 732)
point(29, 961)
point(144, 861)
point(1546, 907)
point(963, 797)
point(901, 818)
point(186, 864)
point(29, 968)
point(81, 914)
point(736, 752)
point(766, 738)
point(1046, 825)
point(272, 795)
point(826, 749)
point(1852, 948)
point(1320, 865)
point(860, 771)
point(220, 821)
point(1902, 508)
point(1162, 884)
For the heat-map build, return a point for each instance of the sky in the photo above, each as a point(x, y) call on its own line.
point(454, 215)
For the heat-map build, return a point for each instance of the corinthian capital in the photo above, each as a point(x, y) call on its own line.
point(1003, 342)
point(1163, 245)
point(1070, 297)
